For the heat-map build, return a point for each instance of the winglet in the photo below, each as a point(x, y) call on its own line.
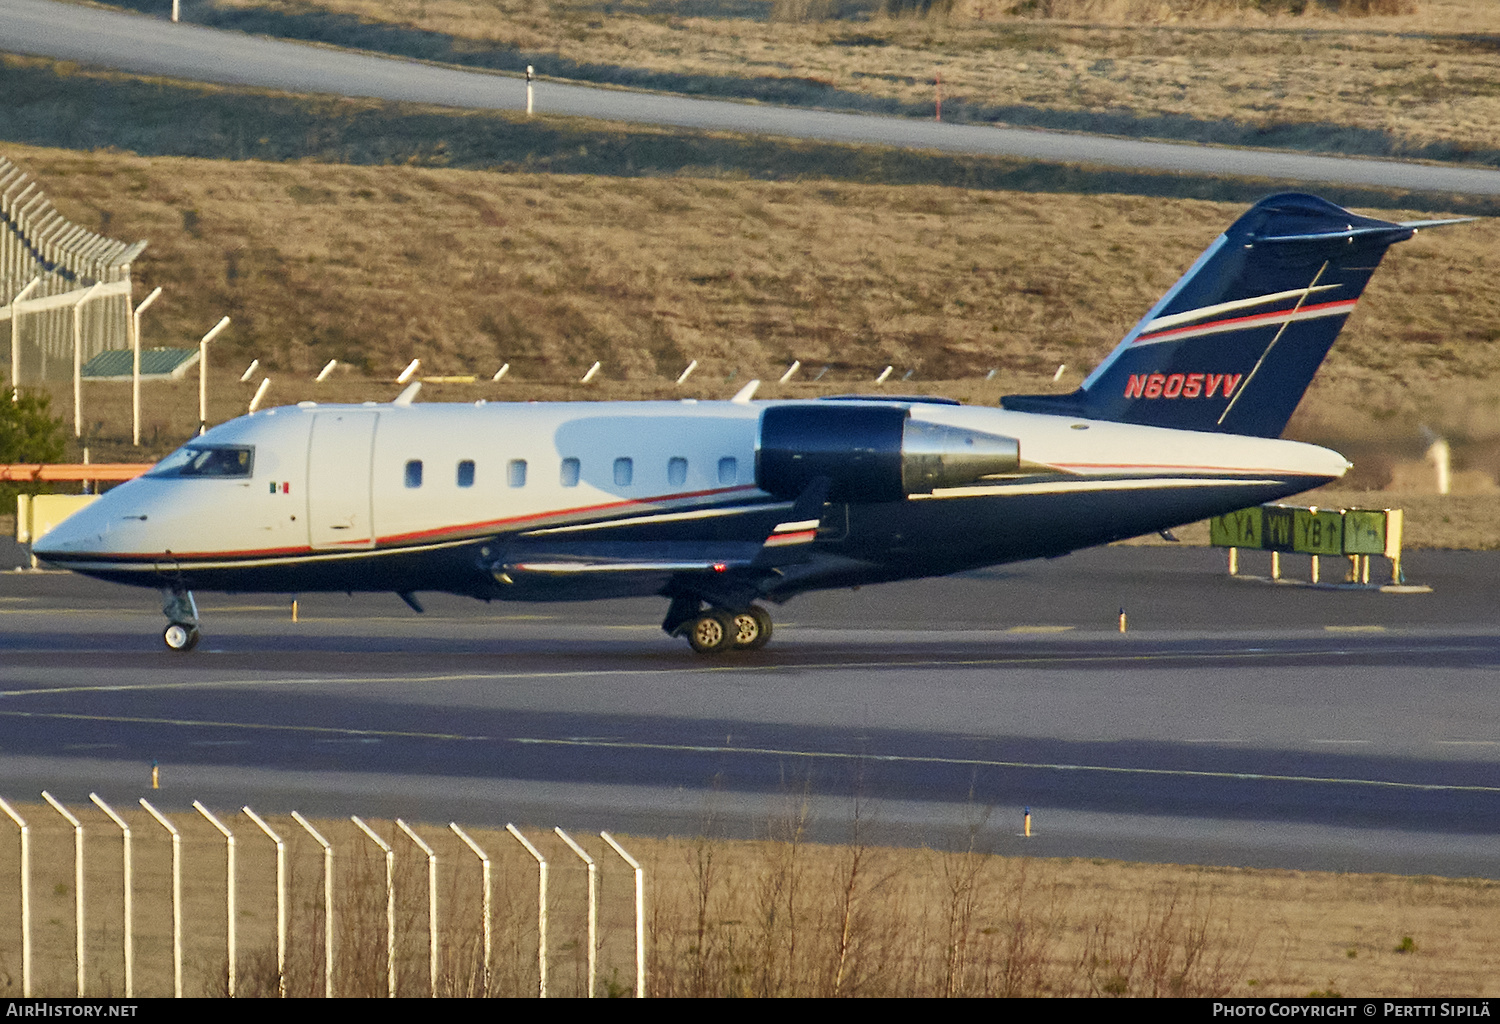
point(408, 395)
point(744, 394)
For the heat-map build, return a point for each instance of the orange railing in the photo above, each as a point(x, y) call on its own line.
point(44, 472)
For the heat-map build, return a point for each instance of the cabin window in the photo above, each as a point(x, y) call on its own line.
point(624, 472)
point(570, 472)
point(677, 472)
point(466, 473)
point(204, 460)
point(516, 472)
point(414, 473)
point(729, 469)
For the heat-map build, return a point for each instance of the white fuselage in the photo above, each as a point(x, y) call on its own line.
point(354, 496)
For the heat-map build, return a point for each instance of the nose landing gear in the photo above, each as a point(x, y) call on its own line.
point(181, 611)
point(179, 637)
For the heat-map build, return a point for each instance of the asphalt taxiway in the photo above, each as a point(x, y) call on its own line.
point(1234, 722)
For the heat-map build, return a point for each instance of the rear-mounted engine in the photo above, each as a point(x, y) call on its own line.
point(873, 452)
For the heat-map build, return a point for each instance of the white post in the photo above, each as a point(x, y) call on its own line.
point(327, 902)
point(593, 903)
point(432, 906)
point(484, 863)
point(504, 369)
point(77, 881)
point(78, 359)
point(228, 887)
point(884, 375)
point(541, 911)
point(175, 5)
point(325, 371)
point(790, 371)
point(590, 375)
point(126, 873)
point(249, 370)
point(203, 377)
point(530, 73)
point(688, 372)
point(176, 896)
point(411, 368)
point(640, 914)
point(15, 338)
point(390, 906)
point(135, 372)
point(260, 393)
point(26, 896)
point(280, 899)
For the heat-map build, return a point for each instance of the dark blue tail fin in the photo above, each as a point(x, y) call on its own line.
point(1235, 343)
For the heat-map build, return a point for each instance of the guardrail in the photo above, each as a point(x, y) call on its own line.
point(1353, 533)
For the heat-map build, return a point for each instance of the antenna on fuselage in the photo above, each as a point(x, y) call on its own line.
point(744, 394)
point(408, 395)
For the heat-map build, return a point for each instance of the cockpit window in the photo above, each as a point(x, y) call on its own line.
point(221, 460)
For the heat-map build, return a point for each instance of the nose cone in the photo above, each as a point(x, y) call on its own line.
point(87, 533)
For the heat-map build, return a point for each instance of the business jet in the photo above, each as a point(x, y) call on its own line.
point(717, 506)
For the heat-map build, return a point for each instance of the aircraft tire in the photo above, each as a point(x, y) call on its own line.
point(179, 637)
point(711, 632)
point(752, 628)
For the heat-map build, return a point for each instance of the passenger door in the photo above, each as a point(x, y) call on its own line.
point(339, 466)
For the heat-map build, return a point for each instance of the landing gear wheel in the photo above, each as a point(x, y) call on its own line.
point(711, 633)
point(180, 638)
point(752, 628)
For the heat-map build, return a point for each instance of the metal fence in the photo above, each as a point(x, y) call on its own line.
point(134, 902)
point(62, 286)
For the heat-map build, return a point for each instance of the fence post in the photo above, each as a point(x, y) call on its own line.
point(78, 358)
point(228, 888)
point(541, 911)
point(484, 863)
point(280, 899)
point(77, 881)
point(640, 914)
point(15, 337)
point(213, 333)
point(390, 905)
point(176, 896)
point(135, 372)
point(593, 903)
point(432, 905)
point(126, 872)
point(26, 897)
point(327, 902)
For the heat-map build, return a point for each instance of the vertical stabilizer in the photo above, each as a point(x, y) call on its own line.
point(1234, 344)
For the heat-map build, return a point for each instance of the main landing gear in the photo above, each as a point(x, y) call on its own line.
point(181, 611)
point(717, 630)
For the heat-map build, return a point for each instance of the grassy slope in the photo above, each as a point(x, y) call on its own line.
point(1414, 85)
point(376, 265)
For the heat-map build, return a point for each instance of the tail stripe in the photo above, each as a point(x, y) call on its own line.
point(1203, 312)
point(1317, 312)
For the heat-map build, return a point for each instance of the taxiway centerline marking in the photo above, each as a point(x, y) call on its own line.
point(1058, 661)
point(965, 762)
point(258, 726)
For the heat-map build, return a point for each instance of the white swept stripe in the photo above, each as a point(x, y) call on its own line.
point(1203, 312)
point(1317, 312)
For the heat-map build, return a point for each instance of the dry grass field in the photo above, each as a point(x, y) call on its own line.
point(467, 270)
point(1422, 82)
point(775, 917)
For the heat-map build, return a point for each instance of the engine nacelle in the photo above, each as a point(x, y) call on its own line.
point(872, 452)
